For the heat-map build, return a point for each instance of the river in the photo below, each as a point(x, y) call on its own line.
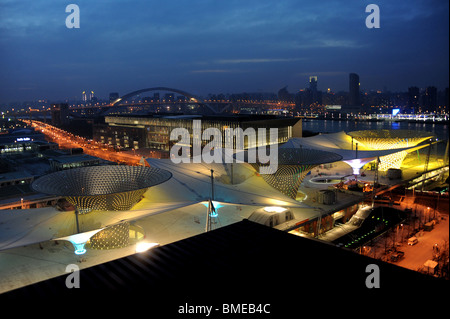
point(331, 126)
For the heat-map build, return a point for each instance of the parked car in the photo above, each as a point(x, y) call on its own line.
point(397, 256)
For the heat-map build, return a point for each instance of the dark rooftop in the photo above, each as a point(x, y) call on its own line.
point(234, 117)
point(242, 263)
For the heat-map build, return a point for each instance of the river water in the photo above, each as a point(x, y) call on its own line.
point(441, 131)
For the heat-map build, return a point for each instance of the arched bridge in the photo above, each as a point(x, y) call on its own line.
point(160, 88)
point(190, 96)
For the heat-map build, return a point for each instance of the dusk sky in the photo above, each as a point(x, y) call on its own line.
point(215, 46)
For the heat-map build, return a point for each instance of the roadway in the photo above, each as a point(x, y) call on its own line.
point(417, 255)
point(67, 140)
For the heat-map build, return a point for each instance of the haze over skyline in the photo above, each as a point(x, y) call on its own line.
point(204, 46)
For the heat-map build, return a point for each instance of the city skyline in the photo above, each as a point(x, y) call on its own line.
point(205, 47)
point(89, 96)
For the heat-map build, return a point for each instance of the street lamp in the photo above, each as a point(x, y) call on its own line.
point(401, 236)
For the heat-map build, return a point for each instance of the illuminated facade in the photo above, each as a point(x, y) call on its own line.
point(106, 188)
point(153, 132)
point(390, 139)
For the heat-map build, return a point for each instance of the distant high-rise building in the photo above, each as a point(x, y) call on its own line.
point(84, 96)
point(91, 96)
point(313, 84)
point(446, 101)
point(316, 96)
point(60, 114)
point(353, 97)
point(113, 96)
point(413, 98)
point(284, 95)
point(430, 99)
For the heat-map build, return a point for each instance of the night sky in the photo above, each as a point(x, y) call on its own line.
point(218, 46)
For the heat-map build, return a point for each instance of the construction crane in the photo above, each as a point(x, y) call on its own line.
point(425, 167)
point(375, 181)
point(446, 154)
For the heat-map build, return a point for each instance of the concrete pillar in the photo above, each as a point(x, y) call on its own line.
point(297, 129)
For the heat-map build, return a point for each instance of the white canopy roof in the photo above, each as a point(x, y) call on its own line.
point(192, 182)
point(342, 144)
point(189, 186)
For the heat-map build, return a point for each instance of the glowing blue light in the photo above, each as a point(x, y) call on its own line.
point(395, 112)
point(23, 139)
point(216, 205)
point(213, 214)
point(215, 208)
point(79, 249)
point(79, 240)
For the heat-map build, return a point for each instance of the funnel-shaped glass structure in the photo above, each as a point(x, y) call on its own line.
point(390, 139)
point(109, 187)
point(293, 165)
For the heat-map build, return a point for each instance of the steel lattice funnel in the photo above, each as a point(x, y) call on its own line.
point(106, 188)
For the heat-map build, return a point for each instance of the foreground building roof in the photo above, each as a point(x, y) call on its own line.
point(241, 263)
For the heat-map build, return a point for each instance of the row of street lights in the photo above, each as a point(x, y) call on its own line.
point(60, 135)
